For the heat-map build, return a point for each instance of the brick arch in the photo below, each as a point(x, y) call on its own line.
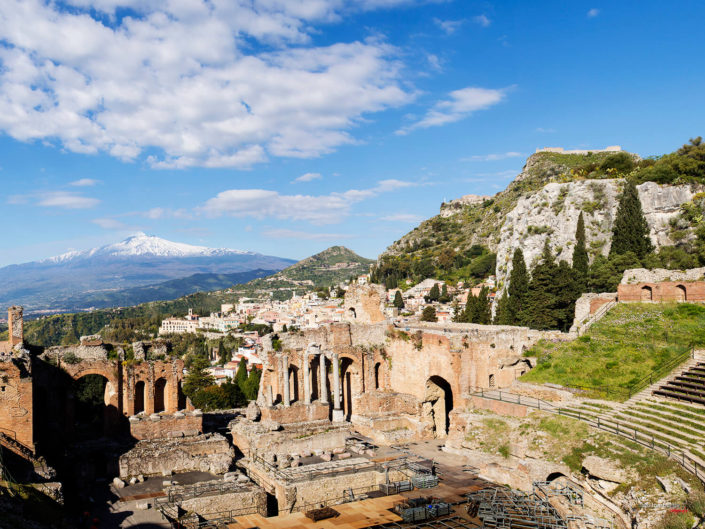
point(109, 370)
point(681, 292)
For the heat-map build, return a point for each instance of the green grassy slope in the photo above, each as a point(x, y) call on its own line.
point(629, 343)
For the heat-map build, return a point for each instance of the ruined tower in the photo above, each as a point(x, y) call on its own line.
point(15, 325)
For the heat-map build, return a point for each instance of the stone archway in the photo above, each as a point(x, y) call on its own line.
point(159, 395)
point(88, 407)
point(140, 391)
point(681, 293)
point(377, 375)
point(436, 406)
point(350, 384)
point(647, 293)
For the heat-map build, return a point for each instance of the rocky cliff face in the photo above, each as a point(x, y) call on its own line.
point(552, 213)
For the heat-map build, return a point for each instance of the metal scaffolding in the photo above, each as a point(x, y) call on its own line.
point(500, 508)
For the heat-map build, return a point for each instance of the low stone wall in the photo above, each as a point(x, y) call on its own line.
point(163, 426)
point(258, 439)
point(296, 413)
point(375, 403)
point(248, 498)
point(389, 429)
point(205, 453)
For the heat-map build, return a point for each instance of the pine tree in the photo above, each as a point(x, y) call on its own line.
point(540, 301)
point(429, 314)
point(198, 378)
point(398, 300)
point(516, 312)
point(631, 231)
point(580, 255)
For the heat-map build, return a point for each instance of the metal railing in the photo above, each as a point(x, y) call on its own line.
point(649, 441)
point(349, 495)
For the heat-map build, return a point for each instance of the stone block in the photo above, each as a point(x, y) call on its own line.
point(118, 483)
point(346, 455)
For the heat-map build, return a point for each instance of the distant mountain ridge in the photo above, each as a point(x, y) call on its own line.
point(60, 283)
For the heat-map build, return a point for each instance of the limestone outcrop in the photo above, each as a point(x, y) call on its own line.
point(552, 213)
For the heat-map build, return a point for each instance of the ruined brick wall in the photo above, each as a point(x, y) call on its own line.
point(691, 291)
point(15, 325)
point(296, 413)
point(16, 398)
point(365, 304)
point(177, 425)
point(153, 387)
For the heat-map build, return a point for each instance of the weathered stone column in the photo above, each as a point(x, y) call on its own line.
point(285, 374)
point(307, 380)
point(270, 396)
point(324, 387)
point(338, 414)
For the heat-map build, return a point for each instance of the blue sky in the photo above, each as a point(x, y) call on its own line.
point(286, 127)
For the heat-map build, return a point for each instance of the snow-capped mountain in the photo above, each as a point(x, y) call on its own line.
point(137, 261)
point(142, 244)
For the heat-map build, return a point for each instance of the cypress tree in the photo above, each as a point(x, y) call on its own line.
point(398, 300)
point(241, 374)
point(567, 288)
point(516, 313)
point(444, 298)
point(501, 315)
point(483, 312)
point(541, 299)
point(434, 294)
point(631, 231)
point(580, 255)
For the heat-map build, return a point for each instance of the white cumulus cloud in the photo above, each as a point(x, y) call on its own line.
point(316, 209)
point(482, 20)
point(460, 104)
point(592, 13)
point(194, 83)
point(402, 217)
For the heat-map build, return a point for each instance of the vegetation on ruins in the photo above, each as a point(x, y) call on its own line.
point(629, 343)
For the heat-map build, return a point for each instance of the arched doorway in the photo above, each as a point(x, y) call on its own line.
point(681, 294)
point(646, 293)
point(437, 406)
point(88, 407)
point(159, 390)
point(347, 385)
point(352, 312)
point(139, 397)
point(377, 374)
